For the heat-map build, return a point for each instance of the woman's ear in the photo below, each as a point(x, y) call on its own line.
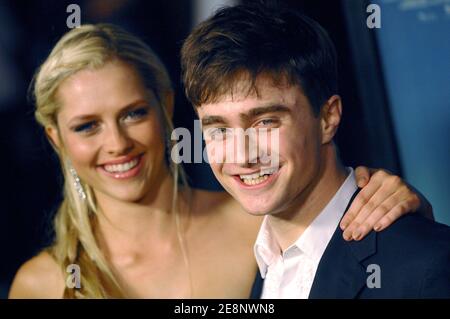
point(53, 135)
point(330, 114)
point(169, 101)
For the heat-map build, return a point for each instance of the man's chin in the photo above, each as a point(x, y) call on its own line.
point(255, 204)
point(255, 209)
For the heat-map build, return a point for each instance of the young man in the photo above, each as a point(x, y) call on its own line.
point(269, 68)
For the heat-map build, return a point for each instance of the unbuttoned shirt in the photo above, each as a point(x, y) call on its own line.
point(290, 274)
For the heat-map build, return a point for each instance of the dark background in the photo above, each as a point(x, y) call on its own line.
point(30, 187)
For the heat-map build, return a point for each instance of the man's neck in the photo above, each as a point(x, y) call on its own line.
point(289, 225)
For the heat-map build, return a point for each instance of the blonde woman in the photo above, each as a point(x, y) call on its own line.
point(128, 221)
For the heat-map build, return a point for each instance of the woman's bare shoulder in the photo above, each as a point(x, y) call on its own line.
point(39, 277)
point(208, 197)
point(224, 205)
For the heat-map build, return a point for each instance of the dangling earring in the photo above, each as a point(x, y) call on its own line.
point(77, 183)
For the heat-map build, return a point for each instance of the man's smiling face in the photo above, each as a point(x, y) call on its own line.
point(284, 108)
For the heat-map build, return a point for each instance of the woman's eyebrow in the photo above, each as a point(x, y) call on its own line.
point(140, 102)
point(91, 116)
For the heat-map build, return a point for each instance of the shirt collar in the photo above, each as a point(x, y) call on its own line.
point(266, 248)
point(317, 235)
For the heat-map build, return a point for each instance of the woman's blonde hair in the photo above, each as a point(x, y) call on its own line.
point(91, 47)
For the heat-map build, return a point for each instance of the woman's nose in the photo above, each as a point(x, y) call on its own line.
point(117, 141)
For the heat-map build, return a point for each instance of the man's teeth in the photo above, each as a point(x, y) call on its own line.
point(255, 181)
point(120, 168)
point(257, 178)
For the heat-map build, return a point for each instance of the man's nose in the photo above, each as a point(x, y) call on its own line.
point(246, 149)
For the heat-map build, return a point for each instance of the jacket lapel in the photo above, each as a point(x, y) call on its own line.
point(340, 273)
point(257, 286)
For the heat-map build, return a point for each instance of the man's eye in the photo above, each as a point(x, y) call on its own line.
point(217, 132)
point(136, 114)
point(85, 128)
point(267, 123)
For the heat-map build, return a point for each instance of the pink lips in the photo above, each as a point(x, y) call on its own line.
point(123, 175)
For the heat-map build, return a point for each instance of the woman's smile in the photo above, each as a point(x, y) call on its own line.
point(128, 167)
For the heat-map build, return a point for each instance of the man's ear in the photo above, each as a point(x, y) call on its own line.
point(53, 136)
point(330, 114)
point(169, 101)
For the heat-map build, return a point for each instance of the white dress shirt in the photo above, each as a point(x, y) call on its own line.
point(291, 274)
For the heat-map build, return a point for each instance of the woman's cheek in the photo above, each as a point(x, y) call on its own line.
point(148, 133)
point(81, 151)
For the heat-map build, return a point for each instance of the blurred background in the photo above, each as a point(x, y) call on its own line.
point(395, 84)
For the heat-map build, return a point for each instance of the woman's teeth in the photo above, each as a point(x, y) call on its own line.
point(121, 168)
point(257, 178)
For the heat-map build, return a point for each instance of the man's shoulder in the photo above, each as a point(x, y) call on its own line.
point(416, 234)
point(414, 258)
point(415, 249)
point(411, 258)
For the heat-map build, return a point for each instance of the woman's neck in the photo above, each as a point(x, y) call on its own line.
point(123, 223)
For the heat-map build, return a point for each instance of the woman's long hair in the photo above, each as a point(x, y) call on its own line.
point(91, 47)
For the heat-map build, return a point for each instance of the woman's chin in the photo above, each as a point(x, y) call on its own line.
point(126, 195)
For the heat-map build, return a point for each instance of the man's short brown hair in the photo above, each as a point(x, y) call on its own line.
point(245, 41)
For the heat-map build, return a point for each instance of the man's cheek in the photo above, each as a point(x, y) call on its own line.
point(215, 152)
point(269, 147)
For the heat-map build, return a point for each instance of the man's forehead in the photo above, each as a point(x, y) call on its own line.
point(263, 84)
point(263, 94)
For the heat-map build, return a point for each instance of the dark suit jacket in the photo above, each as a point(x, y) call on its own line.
point(413, 256)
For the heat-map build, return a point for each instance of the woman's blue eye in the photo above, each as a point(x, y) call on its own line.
point(136, 114)
point(86, 127)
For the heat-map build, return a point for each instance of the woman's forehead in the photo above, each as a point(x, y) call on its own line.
point(106, 88)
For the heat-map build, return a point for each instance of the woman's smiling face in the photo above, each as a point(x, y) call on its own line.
point(109, 127)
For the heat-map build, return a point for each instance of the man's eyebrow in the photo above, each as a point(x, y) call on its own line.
point(212, 119)
point(275, 108)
